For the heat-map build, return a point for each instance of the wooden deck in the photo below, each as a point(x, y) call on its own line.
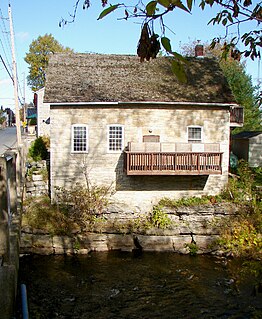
point(173, 163)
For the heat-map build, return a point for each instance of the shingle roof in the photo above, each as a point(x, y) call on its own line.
point(122, 78)
point(246, 134)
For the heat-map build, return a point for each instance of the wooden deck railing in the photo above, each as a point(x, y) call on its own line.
point(179, 163)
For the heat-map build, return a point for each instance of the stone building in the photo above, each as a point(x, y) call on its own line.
point(43, 114)
point(134, 127)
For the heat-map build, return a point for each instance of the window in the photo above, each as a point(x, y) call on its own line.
point(194, 134)
point(115, 138)
point(79, 138)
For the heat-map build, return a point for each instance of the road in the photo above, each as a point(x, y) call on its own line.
point(7, 139)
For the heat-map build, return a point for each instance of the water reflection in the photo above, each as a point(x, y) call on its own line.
point(150, 285)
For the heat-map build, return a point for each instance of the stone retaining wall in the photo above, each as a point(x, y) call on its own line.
point(36, 183)
point(190, 225)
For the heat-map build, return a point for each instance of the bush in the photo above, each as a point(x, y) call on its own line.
point(84, 204)
point(158, 218)
point(38, 150)
point(39, 213)
point(32, 121)
point(241, 235)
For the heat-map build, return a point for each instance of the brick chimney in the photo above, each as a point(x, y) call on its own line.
point(199, 51)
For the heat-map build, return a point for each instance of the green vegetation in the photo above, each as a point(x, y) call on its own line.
point(193, 248)
point(38, 57)
point(242, 235)
point(189, 201)
point(245, 94)
point(38, 149)
point(39, 213)
point(158, 218)
point(32, 121)
point(34, 170)
point(82, 208)
point(84, 204)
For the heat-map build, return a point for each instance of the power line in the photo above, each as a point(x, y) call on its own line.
point(11, 77)
point(6, 38)
point(6, 63)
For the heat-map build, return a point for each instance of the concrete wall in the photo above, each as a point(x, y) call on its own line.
point(134, 193)
point(43, 113)
point(255, 151)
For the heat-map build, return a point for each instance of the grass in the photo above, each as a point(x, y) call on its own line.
point(189, 201)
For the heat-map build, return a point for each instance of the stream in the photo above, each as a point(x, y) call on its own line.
point(120, 285)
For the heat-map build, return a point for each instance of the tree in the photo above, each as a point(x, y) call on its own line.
point(245, 93)
point(231, 13)
point(38, 57)
point(240, 83)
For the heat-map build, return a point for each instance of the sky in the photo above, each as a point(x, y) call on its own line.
point(111, 35)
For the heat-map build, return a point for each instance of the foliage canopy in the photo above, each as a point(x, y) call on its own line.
point(38, 57)
point(38, 149)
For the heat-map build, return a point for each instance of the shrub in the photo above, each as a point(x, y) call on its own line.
point(193, 248)
point(158, 218)
point(84, 204)
point(38, 150)
point(241, 235)
point(39, 213)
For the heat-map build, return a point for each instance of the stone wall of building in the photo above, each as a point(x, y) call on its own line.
point(43, 114)
point(101, 167)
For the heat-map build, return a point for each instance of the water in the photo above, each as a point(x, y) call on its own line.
point(151, 285)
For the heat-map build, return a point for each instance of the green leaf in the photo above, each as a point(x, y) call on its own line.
point(166, 44)
point(151, 8)
point(179, 71)
point(164, 3)
point(107, 11)
point(180, 57)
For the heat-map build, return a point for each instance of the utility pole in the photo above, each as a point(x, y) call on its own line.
point(24, 116)
point(17, 115)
